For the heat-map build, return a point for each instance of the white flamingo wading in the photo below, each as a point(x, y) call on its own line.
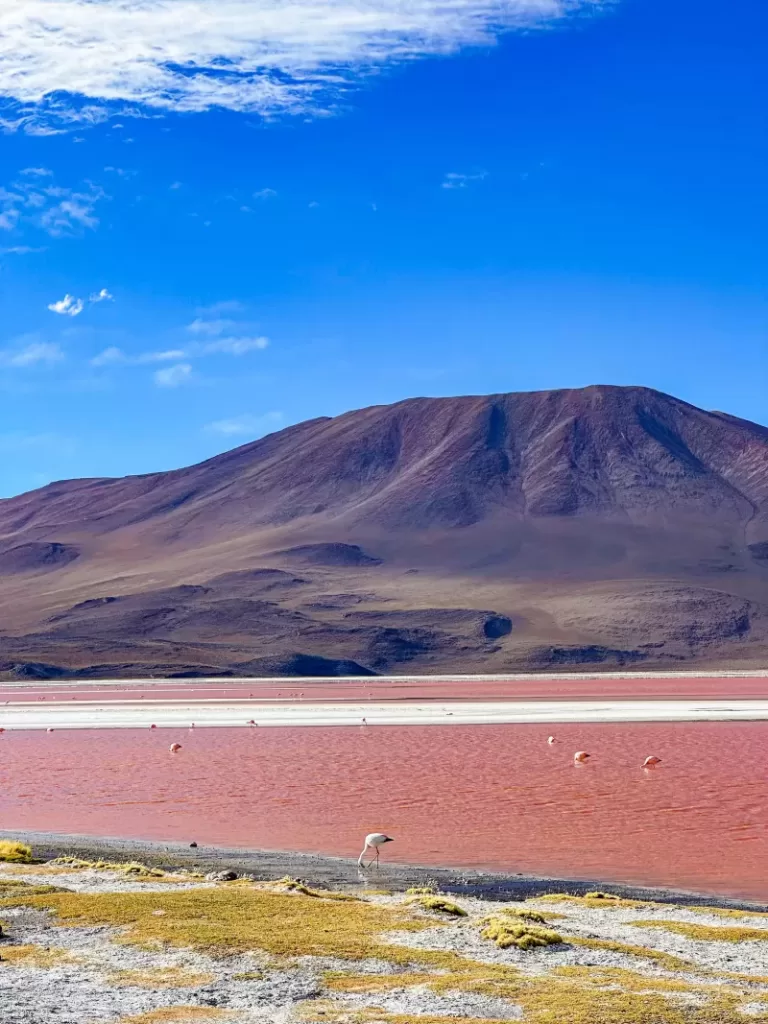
point(374, 841)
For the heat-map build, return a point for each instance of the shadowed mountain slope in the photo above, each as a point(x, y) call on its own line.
point(582, 517)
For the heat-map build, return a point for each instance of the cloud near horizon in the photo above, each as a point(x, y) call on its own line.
point(64, 65)
point(247, 425)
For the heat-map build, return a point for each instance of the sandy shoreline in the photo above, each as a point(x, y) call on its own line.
point(339, 872)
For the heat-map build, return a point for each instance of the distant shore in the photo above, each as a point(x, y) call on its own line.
point(339, 872)
point(130, 713)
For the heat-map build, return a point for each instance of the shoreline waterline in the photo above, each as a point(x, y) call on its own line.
point(341, 872)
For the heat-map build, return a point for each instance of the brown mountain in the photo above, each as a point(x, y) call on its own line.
point(599, 526)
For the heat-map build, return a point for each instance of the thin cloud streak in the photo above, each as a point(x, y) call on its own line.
point(247, 425)
point(225, 346)
point(457, 180)
point(31, 353)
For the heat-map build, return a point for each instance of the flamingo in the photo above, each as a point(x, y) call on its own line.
point(153, 727)
point(49, 729)
point(550, 740)
point(373, 842)
point(580, 756)
point(651, 762)
point(175, 747)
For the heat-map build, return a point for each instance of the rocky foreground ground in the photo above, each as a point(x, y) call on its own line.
point(98, 943)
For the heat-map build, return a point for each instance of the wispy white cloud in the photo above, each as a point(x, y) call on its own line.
point(21, 250)
point(30, 351)
point(116, 356)
point(121, 172)
point(456, 180)
point(230, 336)
point(166, 356)
point(111, 356)
point(68, 306)
point(235, 346)
point(265, 193)
point(218, 309)
point(211, 327)
point(247, 425)
point(38, 172)
point(173, 376)
point(61, 66)
point(225, 346)
point(36, 201)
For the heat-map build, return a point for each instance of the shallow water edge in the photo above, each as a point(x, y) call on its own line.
point(339, 872)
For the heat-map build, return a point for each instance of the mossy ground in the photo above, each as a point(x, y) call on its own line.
point(181, 1015)
point(232, 920)
point(133, 868)
point(35, 956)
point(290, 920)
point(707, 933)
point(161, 977)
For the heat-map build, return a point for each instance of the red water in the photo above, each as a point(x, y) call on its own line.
point(488, 796)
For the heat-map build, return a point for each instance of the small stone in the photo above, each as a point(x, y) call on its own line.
point(193, 846)
point(221, 876)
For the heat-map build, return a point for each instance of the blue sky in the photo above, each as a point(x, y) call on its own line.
point(308, 207)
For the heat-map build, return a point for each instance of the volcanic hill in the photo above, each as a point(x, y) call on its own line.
point(579, 528)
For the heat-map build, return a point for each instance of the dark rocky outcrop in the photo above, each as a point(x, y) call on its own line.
point(35, 555)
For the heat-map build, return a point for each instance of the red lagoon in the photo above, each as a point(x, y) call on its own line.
point(497, 797)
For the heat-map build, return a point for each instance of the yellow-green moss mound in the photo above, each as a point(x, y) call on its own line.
point(15, 853)
point(439, 905)
point(509, 930)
